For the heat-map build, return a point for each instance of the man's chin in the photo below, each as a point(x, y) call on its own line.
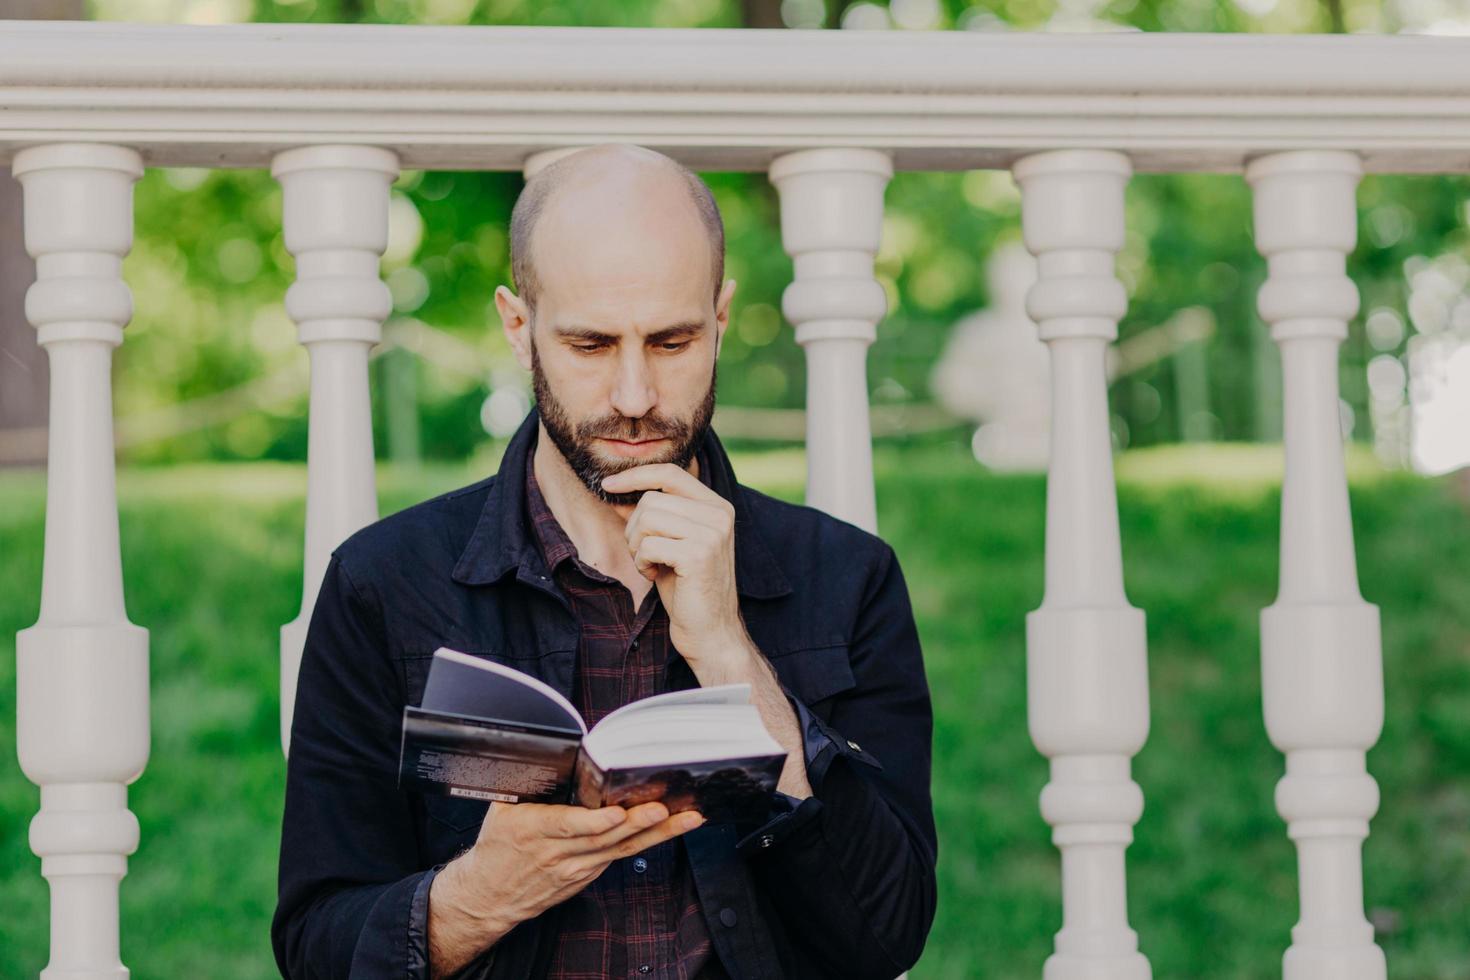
point(611, 463)
point(629, 499)
point(620, 499)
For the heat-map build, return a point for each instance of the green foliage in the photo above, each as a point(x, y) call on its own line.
point(212, 563)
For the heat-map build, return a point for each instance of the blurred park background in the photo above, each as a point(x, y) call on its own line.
point(210, 393)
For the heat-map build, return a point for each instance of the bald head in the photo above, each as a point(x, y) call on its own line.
point(612, 191)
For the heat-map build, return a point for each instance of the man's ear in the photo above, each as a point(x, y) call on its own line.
point(515, 321)
point(722, 314)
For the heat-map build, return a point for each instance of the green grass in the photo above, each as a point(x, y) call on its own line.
point(212, 565)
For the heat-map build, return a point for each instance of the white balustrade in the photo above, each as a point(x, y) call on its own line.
point(1086, 661)
point(832, 225)
point(1322, 671)
point(335, 218)
point(82, 670)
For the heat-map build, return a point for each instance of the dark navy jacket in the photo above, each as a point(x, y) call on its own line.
point(838, 885)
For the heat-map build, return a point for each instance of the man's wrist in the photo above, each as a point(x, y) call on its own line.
point(470, 902)
point(458, 930)
point(750, 666)
point(733, 659)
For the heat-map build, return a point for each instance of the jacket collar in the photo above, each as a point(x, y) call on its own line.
point(502, 541)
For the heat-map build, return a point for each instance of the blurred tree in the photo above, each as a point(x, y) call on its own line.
point(761, 13)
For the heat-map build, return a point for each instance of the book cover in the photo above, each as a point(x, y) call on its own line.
point(484, 759)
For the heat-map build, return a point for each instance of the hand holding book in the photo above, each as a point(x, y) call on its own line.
point(527, 859)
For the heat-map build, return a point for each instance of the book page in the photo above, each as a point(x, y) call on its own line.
point(464, 685)
point(702, 722)
point(680, 755)
point(721, 694)
point(682, 733)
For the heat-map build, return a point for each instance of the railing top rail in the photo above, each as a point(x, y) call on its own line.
point(488, 97)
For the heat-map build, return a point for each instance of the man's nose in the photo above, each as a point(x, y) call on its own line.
point(633, 393)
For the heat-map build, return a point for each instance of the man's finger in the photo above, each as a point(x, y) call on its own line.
point(664, 830)
point(663, 524)
point(659, 551)
point(579, 821)
point(660, 476)
point(640, 818)
point(703, 510)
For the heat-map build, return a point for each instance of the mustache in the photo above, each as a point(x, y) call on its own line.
point(628, 429)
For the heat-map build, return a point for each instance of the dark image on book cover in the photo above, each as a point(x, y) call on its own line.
point(490, 732)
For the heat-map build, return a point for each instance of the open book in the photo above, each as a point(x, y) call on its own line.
point(490, 732)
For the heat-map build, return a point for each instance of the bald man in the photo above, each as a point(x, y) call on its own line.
point(613, 556)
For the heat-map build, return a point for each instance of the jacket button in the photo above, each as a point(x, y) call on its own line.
point(640, 865)
point(765, 840)
point(727, 916)
point(645, 968)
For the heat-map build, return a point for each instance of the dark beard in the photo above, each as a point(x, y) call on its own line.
point(575, 440)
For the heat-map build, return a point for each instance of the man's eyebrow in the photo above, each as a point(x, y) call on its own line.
point(584, 333)
point(591, 334)
point(677, 330)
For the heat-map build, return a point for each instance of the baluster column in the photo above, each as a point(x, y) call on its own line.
point(832, 225)
point(335, 219)
point(1086, 662)
point(1322, 671)
point(82, 670)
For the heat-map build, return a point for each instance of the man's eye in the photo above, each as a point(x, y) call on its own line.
point(588, 348)
point(674, 345)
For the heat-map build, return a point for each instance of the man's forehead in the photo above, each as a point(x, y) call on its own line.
point(625, 292)
point(657, 223)
point(644, 201)
point(603, 253)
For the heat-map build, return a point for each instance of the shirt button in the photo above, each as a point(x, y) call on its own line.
point(645, 968)
point(640, 865)
point(854, 746)
point(765, 840)
point(727, 916)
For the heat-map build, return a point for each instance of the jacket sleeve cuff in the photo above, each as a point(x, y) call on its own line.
point(788, 816)
point(821, 744)
point(418, 937)
point(418, 926)
point(393, 939)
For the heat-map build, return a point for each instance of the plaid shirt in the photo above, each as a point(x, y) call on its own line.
point(641, 916)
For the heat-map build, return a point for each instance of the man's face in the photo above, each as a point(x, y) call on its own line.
point(599, 445)
point(623, 341)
